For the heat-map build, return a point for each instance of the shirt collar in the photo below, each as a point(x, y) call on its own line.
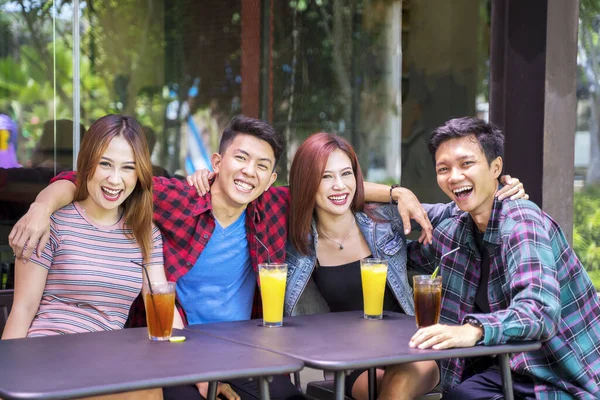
point(491, 234)
point(204, 204)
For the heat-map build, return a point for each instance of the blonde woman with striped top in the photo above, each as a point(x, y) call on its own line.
point(85, 280)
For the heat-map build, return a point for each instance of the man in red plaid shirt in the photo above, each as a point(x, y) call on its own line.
point(214, 243)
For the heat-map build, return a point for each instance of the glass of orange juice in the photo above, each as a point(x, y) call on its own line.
point(373, 272)
point(272, 290)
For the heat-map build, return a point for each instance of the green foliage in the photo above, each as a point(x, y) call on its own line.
point(586, 227)
point(36, 79)
point(589, 11)
point(595, 277)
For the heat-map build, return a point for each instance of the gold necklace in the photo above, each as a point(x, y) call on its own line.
point(341, 244)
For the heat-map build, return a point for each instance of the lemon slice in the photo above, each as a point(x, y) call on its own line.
point(175, 339)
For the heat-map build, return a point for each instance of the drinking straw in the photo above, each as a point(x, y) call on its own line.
point(151, 293)
point(264, 247)
point(435, 272)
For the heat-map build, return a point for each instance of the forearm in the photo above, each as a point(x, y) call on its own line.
point(18, 322)
point(377, 193)
point(56, 196)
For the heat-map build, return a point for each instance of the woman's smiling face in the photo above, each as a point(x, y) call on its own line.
point(113, 180)
point(338, 185)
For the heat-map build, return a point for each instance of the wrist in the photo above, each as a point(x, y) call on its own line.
point(38, 206)
point(476, 328)
point(395, 193)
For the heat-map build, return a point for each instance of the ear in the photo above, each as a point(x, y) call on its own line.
point(271, 181)
point(497, 167)
point(215, 160)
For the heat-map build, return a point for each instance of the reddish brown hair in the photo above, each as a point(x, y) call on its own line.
point(137, 208)
point(305, 177)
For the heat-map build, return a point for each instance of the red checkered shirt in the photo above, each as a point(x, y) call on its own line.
point(187, 223)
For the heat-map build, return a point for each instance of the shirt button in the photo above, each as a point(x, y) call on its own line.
point(205, 236)
point(471, 298)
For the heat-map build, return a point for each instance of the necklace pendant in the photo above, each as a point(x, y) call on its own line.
point(341, 247)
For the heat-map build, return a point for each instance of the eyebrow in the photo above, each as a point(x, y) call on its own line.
point(459, 159)
point(267, 159)
point(342, 170)
point(111, 160)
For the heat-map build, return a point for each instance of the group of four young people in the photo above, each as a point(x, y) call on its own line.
point(201, 234)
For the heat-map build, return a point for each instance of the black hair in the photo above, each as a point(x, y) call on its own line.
point(253, 127)
point(489, 136)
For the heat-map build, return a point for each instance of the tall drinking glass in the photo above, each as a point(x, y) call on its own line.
point(272, 291)
point(428, 299)
point(373, 272)
point(159, 300)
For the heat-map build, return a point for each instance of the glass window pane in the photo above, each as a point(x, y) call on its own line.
point(36, 102)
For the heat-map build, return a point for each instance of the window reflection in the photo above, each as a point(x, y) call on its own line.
point(35, 90)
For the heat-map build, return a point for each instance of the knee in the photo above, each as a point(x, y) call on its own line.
point(423, 376)
point(430, 374)
point(412, 379)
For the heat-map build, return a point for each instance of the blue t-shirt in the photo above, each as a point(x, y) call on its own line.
point(220, 286)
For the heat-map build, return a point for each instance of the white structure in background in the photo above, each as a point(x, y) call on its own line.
point(394, 85)
point(582, 157)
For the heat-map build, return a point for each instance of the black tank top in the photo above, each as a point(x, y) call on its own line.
point(341, 287)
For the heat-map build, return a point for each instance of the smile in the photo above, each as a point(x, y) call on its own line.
point(463, 192)
point(111, 193)
point(338, 199)
point(246, 187)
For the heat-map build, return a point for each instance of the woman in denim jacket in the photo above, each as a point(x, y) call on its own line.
point(330, 231)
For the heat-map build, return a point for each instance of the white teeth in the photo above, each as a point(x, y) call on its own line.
point(244, 185)
point(338, 198)
point(112, 192)
point(462, 189)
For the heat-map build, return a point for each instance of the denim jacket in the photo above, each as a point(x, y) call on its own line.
point(384, 236)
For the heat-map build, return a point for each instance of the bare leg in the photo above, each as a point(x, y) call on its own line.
point(406, 381)
point(360, 389)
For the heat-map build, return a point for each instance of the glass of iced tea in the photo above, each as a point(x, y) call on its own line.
point(373, 272)
point(272, 291)
point(428, 299)
point(159, 300)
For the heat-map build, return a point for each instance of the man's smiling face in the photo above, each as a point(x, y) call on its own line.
point(465, 175)
point(244, 170)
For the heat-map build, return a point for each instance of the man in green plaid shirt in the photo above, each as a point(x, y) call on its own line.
point(514, 278)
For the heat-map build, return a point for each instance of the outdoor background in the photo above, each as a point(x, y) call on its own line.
point(383, 73)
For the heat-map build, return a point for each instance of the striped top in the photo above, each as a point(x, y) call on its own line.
point(91, 280)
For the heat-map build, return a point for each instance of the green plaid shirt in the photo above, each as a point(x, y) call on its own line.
point(538, 290)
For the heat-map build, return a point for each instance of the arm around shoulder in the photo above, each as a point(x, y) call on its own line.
point(440, 211)
point(57, 195)
point(34, 226)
